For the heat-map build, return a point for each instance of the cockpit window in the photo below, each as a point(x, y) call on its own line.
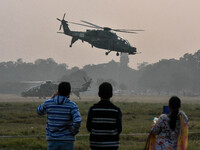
point(123, 40)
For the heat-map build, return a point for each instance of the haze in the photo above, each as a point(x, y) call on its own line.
point(28, 29)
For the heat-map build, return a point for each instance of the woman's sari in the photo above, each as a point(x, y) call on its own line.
point(182, 140)
point(183, 132)
point(151, 142)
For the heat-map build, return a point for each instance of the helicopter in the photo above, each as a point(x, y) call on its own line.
point(43, 90)
point(48, 88)
point(100, 37)
point(83, 88)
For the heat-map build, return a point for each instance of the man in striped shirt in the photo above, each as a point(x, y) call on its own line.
point(104, 121)
point(63, 119)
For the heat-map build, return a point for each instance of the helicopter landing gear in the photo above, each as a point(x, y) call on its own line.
point(107, 52)
point(117, 53)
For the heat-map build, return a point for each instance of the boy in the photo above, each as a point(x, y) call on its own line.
point(63, 119)
point(104, 121)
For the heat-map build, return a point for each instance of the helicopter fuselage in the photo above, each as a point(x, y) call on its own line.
point(102, 39)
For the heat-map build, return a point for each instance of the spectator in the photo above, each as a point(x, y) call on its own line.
point(63, 119)
point(172, 129)
point(104, 121)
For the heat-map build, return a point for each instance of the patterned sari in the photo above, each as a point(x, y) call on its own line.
point(182, 139)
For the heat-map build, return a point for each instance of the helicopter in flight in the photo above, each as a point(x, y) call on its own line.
point(48, 88)
point(100, 37)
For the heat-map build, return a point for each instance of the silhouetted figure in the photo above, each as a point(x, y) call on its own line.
point(63, 119)
point(104, 121)
point(172, 129)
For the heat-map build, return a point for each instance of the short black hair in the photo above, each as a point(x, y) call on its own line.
point(64, 88)
point(105, 90)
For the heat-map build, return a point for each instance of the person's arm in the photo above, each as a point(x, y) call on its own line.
point(119, 122)
point(157, 127)
point(76, 120)
point(55, 94)
point(41, 110)
point(89, 120)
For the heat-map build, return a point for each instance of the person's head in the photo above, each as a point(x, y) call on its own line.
point(105, 90)
point(174, 105)
point(64, 89)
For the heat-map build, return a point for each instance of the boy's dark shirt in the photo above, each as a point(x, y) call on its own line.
point(104, 122)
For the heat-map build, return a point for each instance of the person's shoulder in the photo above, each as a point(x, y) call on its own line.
point(72, 104)
point(49, 101)
point(183, 115)
point(95, 105)
point(181, 112)
point(69, 102)
point(115, 106)
point(163, 117)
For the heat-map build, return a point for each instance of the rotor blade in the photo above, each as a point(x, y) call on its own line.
point(60, 26)
point(82, 24)
point(92, 24)
point(32, 82)
point(58, 19)
point(61, 32)
point(64, 16)
point(124, 31)
point(84, 79)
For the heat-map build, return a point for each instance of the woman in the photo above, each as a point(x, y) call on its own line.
point(172, 129)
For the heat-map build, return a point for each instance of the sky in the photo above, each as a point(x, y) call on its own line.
point(28, 29)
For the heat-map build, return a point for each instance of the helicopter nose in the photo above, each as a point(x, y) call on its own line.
point(133, 50)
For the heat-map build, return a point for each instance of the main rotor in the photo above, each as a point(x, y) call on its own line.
point(91, 25)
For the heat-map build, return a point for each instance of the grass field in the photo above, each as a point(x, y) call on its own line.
point(22, 129)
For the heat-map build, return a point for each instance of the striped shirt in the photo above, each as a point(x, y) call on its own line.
point(63, 118)
point(104, 124)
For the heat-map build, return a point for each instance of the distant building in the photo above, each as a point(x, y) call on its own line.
point(123, 71)
point(124, 60)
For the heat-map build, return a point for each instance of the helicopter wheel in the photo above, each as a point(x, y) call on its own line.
point(107, 52)
point(117, 54)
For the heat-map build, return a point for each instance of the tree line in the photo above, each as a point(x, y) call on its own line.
point(168, 76)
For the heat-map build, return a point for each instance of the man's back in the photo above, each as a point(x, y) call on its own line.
point(104, 123)
point(63, 118)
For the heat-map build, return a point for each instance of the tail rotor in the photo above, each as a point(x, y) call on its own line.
point(62, 21)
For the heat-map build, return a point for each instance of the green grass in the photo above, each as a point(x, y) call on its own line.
point(21, 119)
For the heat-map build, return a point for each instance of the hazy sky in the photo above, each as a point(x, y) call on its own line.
point(28, 29)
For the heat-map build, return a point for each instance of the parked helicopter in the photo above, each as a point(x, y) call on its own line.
point(43, 90)
point(83, 88)
point(101, 37)
point(48, 88)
